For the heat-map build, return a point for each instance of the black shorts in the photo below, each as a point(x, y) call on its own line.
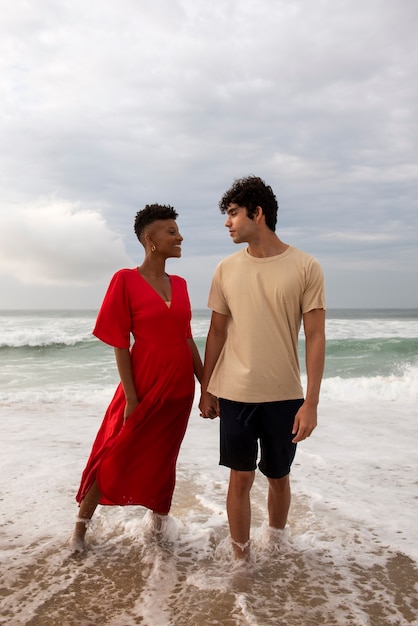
point(243, 425)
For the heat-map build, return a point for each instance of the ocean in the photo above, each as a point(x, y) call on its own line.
point(348, 557)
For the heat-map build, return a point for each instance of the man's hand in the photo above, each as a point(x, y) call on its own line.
point(305, 422)
point(208, 405)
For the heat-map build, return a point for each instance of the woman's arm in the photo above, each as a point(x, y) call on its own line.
point(197, 361)
point(124, 365)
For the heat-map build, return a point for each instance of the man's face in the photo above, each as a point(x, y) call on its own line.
point(241, 227)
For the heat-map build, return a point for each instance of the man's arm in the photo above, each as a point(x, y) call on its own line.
point(306, 417)
point(215, 342)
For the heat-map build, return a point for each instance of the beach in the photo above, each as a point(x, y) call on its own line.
point(348, 557)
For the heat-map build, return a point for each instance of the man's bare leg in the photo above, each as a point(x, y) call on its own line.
point(238, 508)
point(87, 507)
point(278, 501)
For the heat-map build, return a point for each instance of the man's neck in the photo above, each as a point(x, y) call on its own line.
point(267, 246)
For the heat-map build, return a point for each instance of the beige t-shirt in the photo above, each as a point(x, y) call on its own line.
point(265, 299)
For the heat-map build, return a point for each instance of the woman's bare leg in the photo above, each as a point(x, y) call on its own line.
point(87, 508)
point(158, 520)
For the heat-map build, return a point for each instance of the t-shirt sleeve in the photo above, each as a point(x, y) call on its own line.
point(216, 299)
point(314, 293)
point(114, 321)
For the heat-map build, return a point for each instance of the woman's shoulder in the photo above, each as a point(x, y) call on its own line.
point(177, 279)
point(125, 273)
point(178, 283)
point(122, 278)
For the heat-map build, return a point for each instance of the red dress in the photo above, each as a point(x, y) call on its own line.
point(135, 462)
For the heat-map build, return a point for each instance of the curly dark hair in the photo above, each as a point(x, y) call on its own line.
point(251, 192)
point(150, 214)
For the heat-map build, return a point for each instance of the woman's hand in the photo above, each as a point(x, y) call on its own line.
point(208, 405)
point(124, 363)
point(130, 407)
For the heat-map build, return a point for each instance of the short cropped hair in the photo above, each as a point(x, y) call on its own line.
point(151, 213)
point(251, 192)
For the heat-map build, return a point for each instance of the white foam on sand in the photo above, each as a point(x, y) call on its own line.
point(350, 537)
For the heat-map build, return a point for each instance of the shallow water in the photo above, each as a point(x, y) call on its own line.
point(333, 566)
point(348, 557)
point(186, 577)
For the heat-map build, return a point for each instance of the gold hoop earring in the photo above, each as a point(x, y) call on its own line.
point(153, 248)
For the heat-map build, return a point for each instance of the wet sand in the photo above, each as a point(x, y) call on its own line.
point(186, 577)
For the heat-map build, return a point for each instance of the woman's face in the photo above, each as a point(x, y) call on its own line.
point(166, 237)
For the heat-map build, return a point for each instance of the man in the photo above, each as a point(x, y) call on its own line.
point(259, 297)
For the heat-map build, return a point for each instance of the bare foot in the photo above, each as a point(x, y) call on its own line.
point(76, 543)
point(158, 522)
point(241, 550)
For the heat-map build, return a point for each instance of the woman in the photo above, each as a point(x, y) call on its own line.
point(133, 459)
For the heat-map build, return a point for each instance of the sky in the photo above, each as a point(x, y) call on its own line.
point(108, 106)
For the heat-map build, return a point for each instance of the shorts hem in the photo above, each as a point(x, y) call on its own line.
point(237, 469)
point(286, 473)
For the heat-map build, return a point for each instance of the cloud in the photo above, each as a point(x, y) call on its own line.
point(105, 107)
point(58, 243)
point(360, 237)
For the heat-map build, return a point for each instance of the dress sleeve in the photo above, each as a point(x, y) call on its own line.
point(114, 321)
point(178, 280)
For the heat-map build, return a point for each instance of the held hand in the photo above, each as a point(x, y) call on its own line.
point(130, 407)
point(208, 405)
point(305, 422)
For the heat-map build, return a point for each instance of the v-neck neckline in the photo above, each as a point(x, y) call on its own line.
point(156, 292)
